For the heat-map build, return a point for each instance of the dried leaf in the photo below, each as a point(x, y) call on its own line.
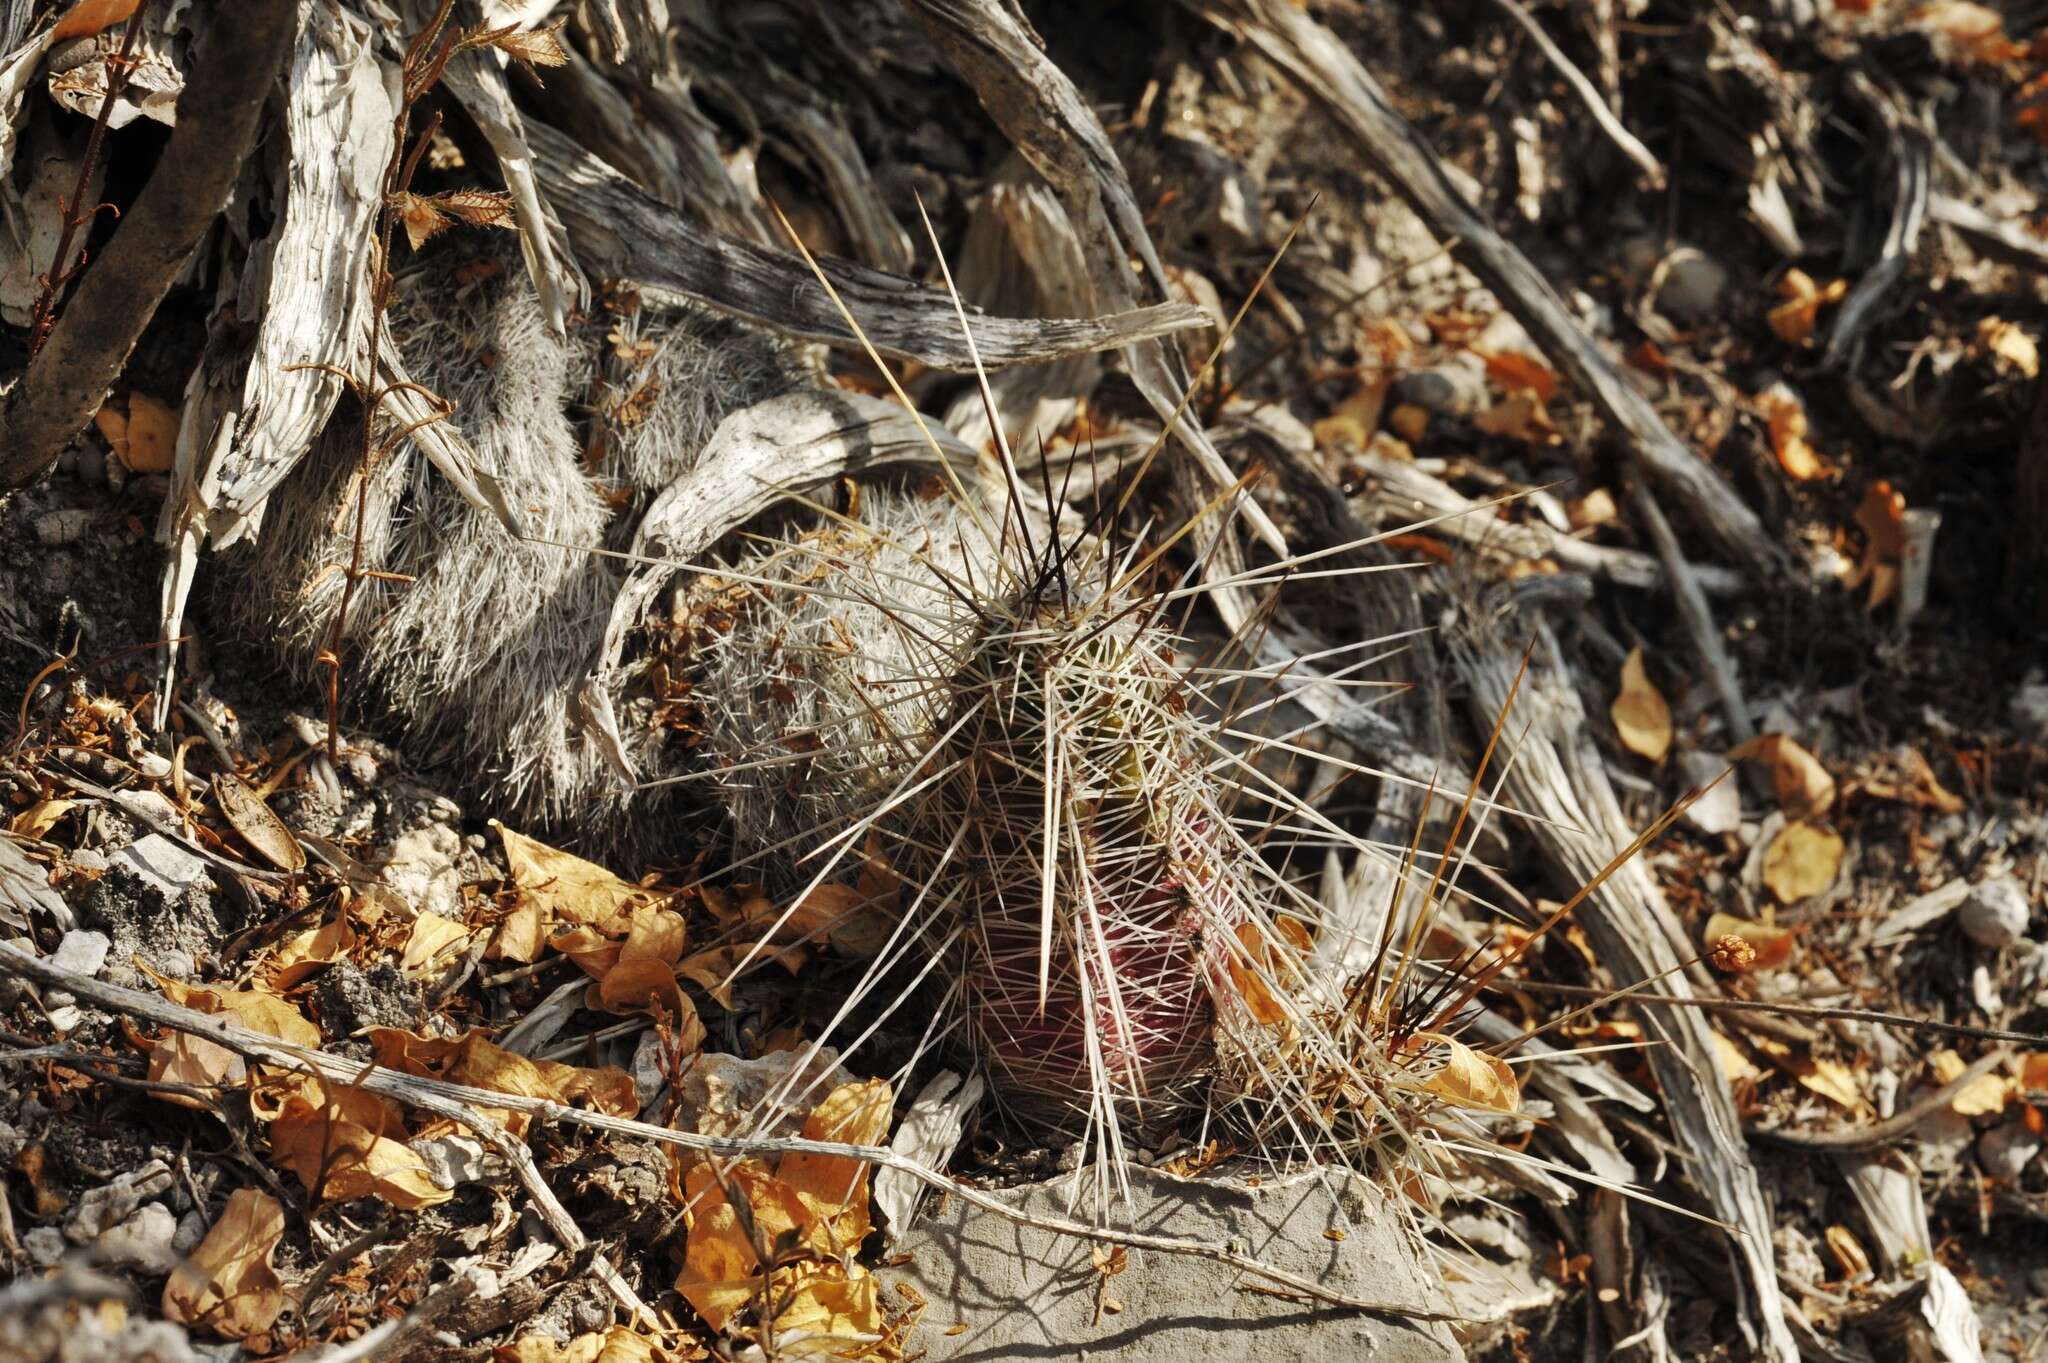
point(257, 1009)
point(256, 823)
point(227, 1286)
point(568, 888)
point(1786, 417)
point(721, 1272)
point(472, 1059)
point(433, 942)
point(1596, 508)
point(476, 207)
point(1353, 420)
point(617, 1345)
point(1639, 713)
point(1474, 1079)
point(2011, 345)
point(421, 218)
point(833, 1188)
point(1967, 32)
point(1522, 417)
point(345, 1143)
point(1829, 1078)
point(88, 17)
point(1736, 1066)
point(1984, 1096)
point(1803, 786)
point(1882, 517)
point(837, 1306)
point(301, 955)
point(1794, 319)
point(534, 46)
point(1519, 373)
point(1849, 1253)
point(1802, 861)
point(40, 817)
point(1773, 945)
point(151, 445)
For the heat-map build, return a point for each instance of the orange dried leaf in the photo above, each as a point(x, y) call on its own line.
point(1786, 417)
point(302, 955)
point(227, 1286)
point(347, 1143)
point(88, 17)
point(1803, 786)
point(1773, 945)
point(833, 1187)
point(1639, 712)
point(152, 436)
point(1795, 319)
point(1519, 373)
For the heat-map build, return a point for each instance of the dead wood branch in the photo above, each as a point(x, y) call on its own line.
point(1603, 117)
point(217, 116)
point(1558, 774)
point(462, 1103)
point(1311, 56)
point(1694, 613)
point(620, 229)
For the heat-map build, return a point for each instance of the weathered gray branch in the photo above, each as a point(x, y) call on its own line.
point(120, 291)
point(619, 229)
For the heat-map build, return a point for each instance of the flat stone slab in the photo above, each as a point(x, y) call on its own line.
point(1023, 1293)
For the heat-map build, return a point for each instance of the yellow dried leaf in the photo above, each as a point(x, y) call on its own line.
point(617, 1345)
point(432, 944)
point(1352, 421)
point(520, 934)
point(1984, 1096)
point(1849, 1253)
point(1802, 861)
point(1410, 421)
point(301, 955)
point(1473, 1079)
point(1795, 318)
point(1829, 1078)
point(1595, 509)
point(227, 1286)
point(568, 888)
point(152, 445)
point(40, 817)
point(832, 1308)
point(721, 1272)
point(1773, 944)
point(1803, 786)
point(1639, 713)
point(1736, 1066)
point(2011, 345)
point(835, 1188)
point(257, 1009)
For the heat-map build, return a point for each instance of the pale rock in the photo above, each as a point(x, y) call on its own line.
point(45, 1246)
point(451, 1161)
point(165, 869)
point(1720, 809)
point(106, 1206)
point(1694, 285)
point(145, 1242)
point(1023, 1292)
point(420, 869)
point(1996, 912)
point(82, 952)
point(2006, 1149)
point(192, 1228)
point(1457, 387)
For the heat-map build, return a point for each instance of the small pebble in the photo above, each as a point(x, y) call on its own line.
point(82, 952)
point(2005, 1150)
point(144, 1242)
point(45, 1246)
point(1694, 284)
point(1996, 913)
